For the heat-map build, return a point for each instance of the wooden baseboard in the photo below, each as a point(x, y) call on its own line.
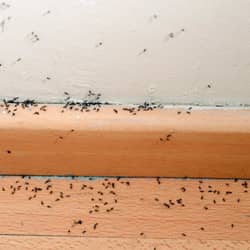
point(205, 143)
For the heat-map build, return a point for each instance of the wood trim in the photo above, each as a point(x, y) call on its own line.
point(205, 143)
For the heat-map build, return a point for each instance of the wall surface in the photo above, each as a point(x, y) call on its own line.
point(171, 51)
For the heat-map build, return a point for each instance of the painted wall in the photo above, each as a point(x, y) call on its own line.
point(130, 51)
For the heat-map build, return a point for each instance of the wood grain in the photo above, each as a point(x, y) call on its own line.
point(211, 210)
point(205, 143)
point(30, 243)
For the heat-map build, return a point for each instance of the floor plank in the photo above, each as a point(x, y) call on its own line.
point(126, 208)
point(34, 242)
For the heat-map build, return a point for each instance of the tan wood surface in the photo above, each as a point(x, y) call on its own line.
point(126, 208)
point(204, 143)
point(75, 243)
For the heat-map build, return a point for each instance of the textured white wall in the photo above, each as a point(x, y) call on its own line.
point(189, 44)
